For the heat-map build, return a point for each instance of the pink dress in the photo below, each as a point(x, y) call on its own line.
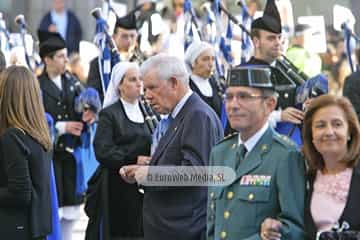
point(329, 198)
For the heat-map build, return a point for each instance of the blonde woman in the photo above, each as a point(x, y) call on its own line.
point(25, 207)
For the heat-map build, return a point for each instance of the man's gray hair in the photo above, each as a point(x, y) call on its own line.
point(166, 66)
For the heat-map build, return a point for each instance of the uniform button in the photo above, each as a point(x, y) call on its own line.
point(226, 214)
point(64, 107)
point(58, 103)
point(223, 235)
point(212, 206)
point(66, 116)
point(61, 145)
point(230, 195)
point(251, 196)
point(59, 117)
point(212, 194)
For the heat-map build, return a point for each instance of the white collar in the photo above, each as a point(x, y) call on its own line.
point(253, 140)
point(57, 81)
point(181, 103)
point(133, 111)
point(203, 85)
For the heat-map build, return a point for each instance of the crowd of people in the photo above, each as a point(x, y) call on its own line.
point(70, 140)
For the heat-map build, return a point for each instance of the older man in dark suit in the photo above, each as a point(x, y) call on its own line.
point(177, 213)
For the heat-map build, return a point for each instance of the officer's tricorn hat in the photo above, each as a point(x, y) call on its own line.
point(270, 21)
point(256, 76)
point(50, 42)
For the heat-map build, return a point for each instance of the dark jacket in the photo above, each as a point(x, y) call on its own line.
point(94, 79)
point(215, 102)
point(25, 207)
point(73, 30)
point(351, 90)
point(179, 213)
point(351, 210)
point(60, 105)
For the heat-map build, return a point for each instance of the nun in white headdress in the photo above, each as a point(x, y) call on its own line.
point(200, 61)
point(122, 138)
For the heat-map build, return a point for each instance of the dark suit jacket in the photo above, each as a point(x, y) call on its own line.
point(94, 79)
point(25, 208)
point(351, 90)
point(351, 210)
point(73, 30)
point(180, 212)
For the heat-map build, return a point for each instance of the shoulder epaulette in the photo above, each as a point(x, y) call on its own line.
point(228, 137)
point(284, 140)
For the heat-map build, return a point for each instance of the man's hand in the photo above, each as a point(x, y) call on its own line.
point(307, 103)
point(292, 115)
point(88, 116)
point(143, 160)
point(74, 128)
point(270, 229)
point(128, 173)
point(134, 173)
point(141, 174)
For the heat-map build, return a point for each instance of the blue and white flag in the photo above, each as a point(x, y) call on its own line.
point(225, 44)
point(106, 59)
point(246, 44)
point(191, 30)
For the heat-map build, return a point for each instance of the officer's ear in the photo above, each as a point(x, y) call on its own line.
point(270, 102)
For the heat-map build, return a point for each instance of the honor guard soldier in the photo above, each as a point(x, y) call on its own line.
point(59, 89)
point(269, 170)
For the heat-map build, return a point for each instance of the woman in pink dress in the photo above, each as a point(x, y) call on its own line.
point(331, 136)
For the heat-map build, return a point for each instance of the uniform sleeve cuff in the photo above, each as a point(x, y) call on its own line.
point(60, 128)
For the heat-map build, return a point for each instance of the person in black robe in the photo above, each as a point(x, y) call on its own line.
point(122, 138)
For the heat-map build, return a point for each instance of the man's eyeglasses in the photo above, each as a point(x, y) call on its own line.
point(243, 96)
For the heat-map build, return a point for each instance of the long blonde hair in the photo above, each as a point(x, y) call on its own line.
point(21, 104)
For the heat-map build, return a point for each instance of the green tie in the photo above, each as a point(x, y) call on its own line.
point(241, 152)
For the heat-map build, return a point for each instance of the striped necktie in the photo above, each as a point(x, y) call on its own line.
point(160, 131)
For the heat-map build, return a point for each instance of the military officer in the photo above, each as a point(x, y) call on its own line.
point(59, 89)
point(269, 170)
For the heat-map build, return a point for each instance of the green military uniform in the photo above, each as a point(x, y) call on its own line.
point(269, 183)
